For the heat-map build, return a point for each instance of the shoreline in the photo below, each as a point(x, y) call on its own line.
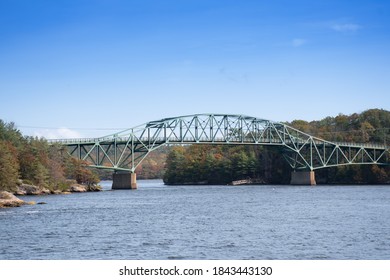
point(10, 199)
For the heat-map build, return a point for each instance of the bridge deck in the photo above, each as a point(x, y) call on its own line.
point(161, 140)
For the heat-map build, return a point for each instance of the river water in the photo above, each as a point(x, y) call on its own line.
point(202, 222)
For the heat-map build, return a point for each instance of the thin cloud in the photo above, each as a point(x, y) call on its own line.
point(345, 27)
point(233, 76)
point(298, 42)
point(60, 133)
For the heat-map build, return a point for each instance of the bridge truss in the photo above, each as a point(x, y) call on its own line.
point(125, 150)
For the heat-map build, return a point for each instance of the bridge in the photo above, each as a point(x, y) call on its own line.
point(124, 151)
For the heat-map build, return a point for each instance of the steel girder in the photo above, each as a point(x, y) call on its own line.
point(126, 150)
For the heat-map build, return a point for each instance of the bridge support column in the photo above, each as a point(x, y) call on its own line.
point(124, 181)
point(303, 178)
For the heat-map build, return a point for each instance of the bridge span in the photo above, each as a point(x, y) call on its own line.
point(125, 150)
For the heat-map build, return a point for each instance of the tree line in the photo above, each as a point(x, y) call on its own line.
point(34, 161)
point(209, 164)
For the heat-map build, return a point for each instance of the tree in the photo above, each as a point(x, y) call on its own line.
point(33, 161)
point(56, 166)
point(9, 132)
point(367, 130)
point(76, 169)
point(379, 175)
point(9, 166)
point(301, 125)
point(175, 165)
point(240, 165)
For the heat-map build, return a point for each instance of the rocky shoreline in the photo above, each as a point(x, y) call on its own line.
point(8, 199)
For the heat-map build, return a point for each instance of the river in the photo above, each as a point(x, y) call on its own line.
point(202, 222)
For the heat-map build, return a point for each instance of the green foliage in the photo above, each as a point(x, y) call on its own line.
point(175, 163)
point(9, 133)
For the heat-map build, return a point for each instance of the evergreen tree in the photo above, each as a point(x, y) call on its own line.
point(176, 164)
point(9, 166)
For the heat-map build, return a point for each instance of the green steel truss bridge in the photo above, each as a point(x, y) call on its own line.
point(125, 150)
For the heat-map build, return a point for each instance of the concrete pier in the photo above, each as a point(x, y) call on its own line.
point(303, 178)
point(123, 181)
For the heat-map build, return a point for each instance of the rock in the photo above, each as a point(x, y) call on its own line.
point(57, 192)
point(84, 188)
point(26, 189)
point(7, 199)
point(77, 188)
point(20, 192)
point(6, 195)
point(45, 191)
point(94, 188)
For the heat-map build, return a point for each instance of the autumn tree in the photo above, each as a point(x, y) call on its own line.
point(76, 169)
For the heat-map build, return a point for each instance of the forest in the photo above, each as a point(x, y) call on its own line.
point(209, 164)
point(33, 161)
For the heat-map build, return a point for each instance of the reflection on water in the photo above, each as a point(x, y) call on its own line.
point(202, 222)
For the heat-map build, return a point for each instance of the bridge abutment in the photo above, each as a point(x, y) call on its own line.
point(124, 181)
point(303, 178)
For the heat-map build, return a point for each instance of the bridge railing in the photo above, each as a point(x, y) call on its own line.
point(158, 140)
point(79, 140)
point(363, 145)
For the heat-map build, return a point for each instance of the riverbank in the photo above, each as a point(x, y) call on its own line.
point(27, 189)
point(10, 199)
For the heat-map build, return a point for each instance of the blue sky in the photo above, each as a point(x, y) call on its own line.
point(76, 68)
